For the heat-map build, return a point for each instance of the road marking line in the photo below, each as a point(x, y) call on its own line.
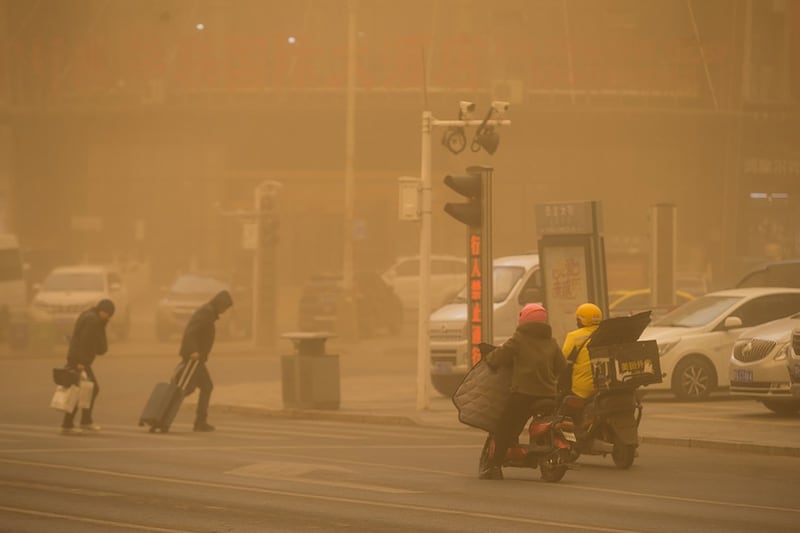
point(255, 448)
point(299, 495)
point(345, 431)
point(379, 465)
point(87, 520)
point(682, 499)
point(52, 488)
point(297, 472)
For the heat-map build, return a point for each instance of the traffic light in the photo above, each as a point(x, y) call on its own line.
point(472, 187)
point(476, 213)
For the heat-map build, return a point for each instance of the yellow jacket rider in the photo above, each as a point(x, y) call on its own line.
point(588, 317)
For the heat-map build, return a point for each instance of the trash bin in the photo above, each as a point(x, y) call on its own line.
point(310, 377)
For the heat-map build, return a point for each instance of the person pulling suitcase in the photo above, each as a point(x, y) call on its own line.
point(196, 344)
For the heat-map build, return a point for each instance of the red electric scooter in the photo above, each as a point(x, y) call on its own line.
point(552, 441)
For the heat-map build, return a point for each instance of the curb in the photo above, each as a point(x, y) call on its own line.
point(747, 447)
point(315, 414)
point(402, 420)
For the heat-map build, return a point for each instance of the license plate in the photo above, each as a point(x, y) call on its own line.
point(742, 376)
point(570, 436)
point(442, 367)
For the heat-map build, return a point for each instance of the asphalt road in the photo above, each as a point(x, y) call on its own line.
point(280, 475)
point(257, 474)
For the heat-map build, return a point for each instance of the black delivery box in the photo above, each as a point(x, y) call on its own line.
point(619, 360)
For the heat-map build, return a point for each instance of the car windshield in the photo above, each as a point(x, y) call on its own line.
point(197, 285)
point(74, 281)
point(697, 313)
point(503, 280)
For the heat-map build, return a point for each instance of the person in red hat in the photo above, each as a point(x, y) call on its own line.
point(537, 362)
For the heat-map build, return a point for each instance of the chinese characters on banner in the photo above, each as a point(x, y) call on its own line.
point(474, 300)
point(567, 285)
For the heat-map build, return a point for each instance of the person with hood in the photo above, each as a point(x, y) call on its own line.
point(536, 363)
point(196, 344)
point(88, 340)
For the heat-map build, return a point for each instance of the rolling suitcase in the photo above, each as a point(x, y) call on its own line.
point(166, 398)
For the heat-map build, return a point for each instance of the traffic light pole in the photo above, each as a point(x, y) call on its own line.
point(423, 342)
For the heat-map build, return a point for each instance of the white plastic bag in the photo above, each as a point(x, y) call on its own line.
point(65, 398)
point(86, 392)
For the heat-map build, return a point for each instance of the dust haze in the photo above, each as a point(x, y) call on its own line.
point(136, 133)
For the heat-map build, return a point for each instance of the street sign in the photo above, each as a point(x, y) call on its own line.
point(568, 218)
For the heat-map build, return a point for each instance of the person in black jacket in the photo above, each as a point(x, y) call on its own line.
point(88, 341)
point(537, 362)
point(196, 344)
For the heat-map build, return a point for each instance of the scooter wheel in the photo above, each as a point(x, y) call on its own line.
point(552, 473)
point(623, 455)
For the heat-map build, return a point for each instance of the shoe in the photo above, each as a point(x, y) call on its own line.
point(203, 426)
point(90, 427)
point(491, 472)
point(70, 431)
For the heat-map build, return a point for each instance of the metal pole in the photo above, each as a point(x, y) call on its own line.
point(256, 337)
point(346, 309)
point(423, 344)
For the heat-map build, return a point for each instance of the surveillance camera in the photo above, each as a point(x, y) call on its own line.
point(466, 107)
point(500, 107)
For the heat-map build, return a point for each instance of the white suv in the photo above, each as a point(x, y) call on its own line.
point(516, 281)
point(69, 290)
point(448, 275)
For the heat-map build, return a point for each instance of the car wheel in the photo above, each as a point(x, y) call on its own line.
point(446, 384)
point(693, 379)
point(782, 408)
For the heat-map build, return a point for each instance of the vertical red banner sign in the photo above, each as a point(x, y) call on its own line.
point(474, 297)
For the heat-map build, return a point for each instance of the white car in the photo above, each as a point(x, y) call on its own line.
point(448, 275)
point(793, 364)
point(67, 291)
point(517, 281)
point(695, 340)
point(758, 365)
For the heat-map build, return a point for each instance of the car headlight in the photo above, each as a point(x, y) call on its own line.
point(783, 352)
point(665, 346)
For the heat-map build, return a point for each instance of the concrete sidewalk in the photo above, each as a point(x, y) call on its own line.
point(391, 399)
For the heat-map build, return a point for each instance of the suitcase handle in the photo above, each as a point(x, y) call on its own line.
point(185, 372)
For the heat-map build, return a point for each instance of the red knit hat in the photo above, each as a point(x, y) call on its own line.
point(532, 313)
